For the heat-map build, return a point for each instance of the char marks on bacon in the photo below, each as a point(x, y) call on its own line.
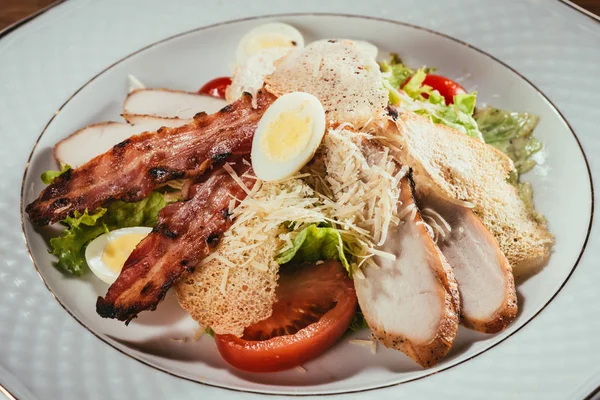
point(134, 167)
point(186, 233)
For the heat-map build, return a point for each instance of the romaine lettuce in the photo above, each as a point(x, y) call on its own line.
point(315, 243)
point(69, 246)
point(422, 99)
point(84, 227)
point(358, 322)
point(511, 133)
point(48, 176)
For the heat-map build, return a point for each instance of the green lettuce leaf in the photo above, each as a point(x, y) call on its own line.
point(396, 72)
point(48, 176)
point(500, 125)
point(315, 243)
point(84, 227)
point(142, 213)
point(358, 322)
point(415, 87)
point(511, 133)
point(458, 115)
point(69, 247)
point(423, 100)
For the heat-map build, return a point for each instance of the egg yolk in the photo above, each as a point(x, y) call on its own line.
point(269, 41)
point(118, 250)
point(287, 136)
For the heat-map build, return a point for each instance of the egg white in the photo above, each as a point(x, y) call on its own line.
point(95, 251)
point(268, 167)
point(250, 43)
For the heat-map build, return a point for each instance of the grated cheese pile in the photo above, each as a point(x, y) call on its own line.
point(437, 227)
point(364, 180)
point(267, 207)
point(352, 186)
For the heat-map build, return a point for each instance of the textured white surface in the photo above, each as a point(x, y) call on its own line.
point(45, 61)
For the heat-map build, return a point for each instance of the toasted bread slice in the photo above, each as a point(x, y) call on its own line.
point(347, 81)
point(229, 298)
point(465, 169)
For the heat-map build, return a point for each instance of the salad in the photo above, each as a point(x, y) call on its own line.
point(321, 189)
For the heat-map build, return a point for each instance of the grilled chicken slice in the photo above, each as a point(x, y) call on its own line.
point(484, 275)
point(170, 103)
point(133, 168)
point(186, 232)
point(412, 303)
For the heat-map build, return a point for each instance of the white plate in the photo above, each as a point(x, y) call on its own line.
point(346, 368)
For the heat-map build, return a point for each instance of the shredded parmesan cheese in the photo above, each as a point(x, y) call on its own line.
point(198, 333)
point(134, 83)
point(364, 183)
point(406, 210)
point(262, 215)
point(441, 219)
point(436, 224)
point(371, 344)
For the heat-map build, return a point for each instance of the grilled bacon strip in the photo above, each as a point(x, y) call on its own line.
point(134, 167)
point(186, 233)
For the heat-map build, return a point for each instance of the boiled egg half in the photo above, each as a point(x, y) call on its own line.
point(267, 36)
point(107, 254)
point(287, 136)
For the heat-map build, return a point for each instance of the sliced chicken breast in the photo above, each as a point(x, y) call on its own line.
point(411, 303)
point(170, 103)
point(484, 275)
point(468, 170)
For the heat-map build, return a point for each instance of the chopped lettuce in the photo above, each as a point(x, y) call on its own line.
point(69, 246)
point(48, 176)
point(358, 322)
point(511, 133)
point(315, 243)
point(140, 213)
point(84, 227)
point(422, 99)
point(396, 72)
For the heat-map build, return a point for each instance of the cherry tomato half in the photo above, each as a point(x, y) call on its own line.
point(216, 87)
point(315, 305)
point(447, 87)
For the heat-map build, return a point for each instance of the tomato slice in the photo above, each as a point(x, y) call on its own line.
point(446, 86)
point(216, 87)
point(315, 305)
